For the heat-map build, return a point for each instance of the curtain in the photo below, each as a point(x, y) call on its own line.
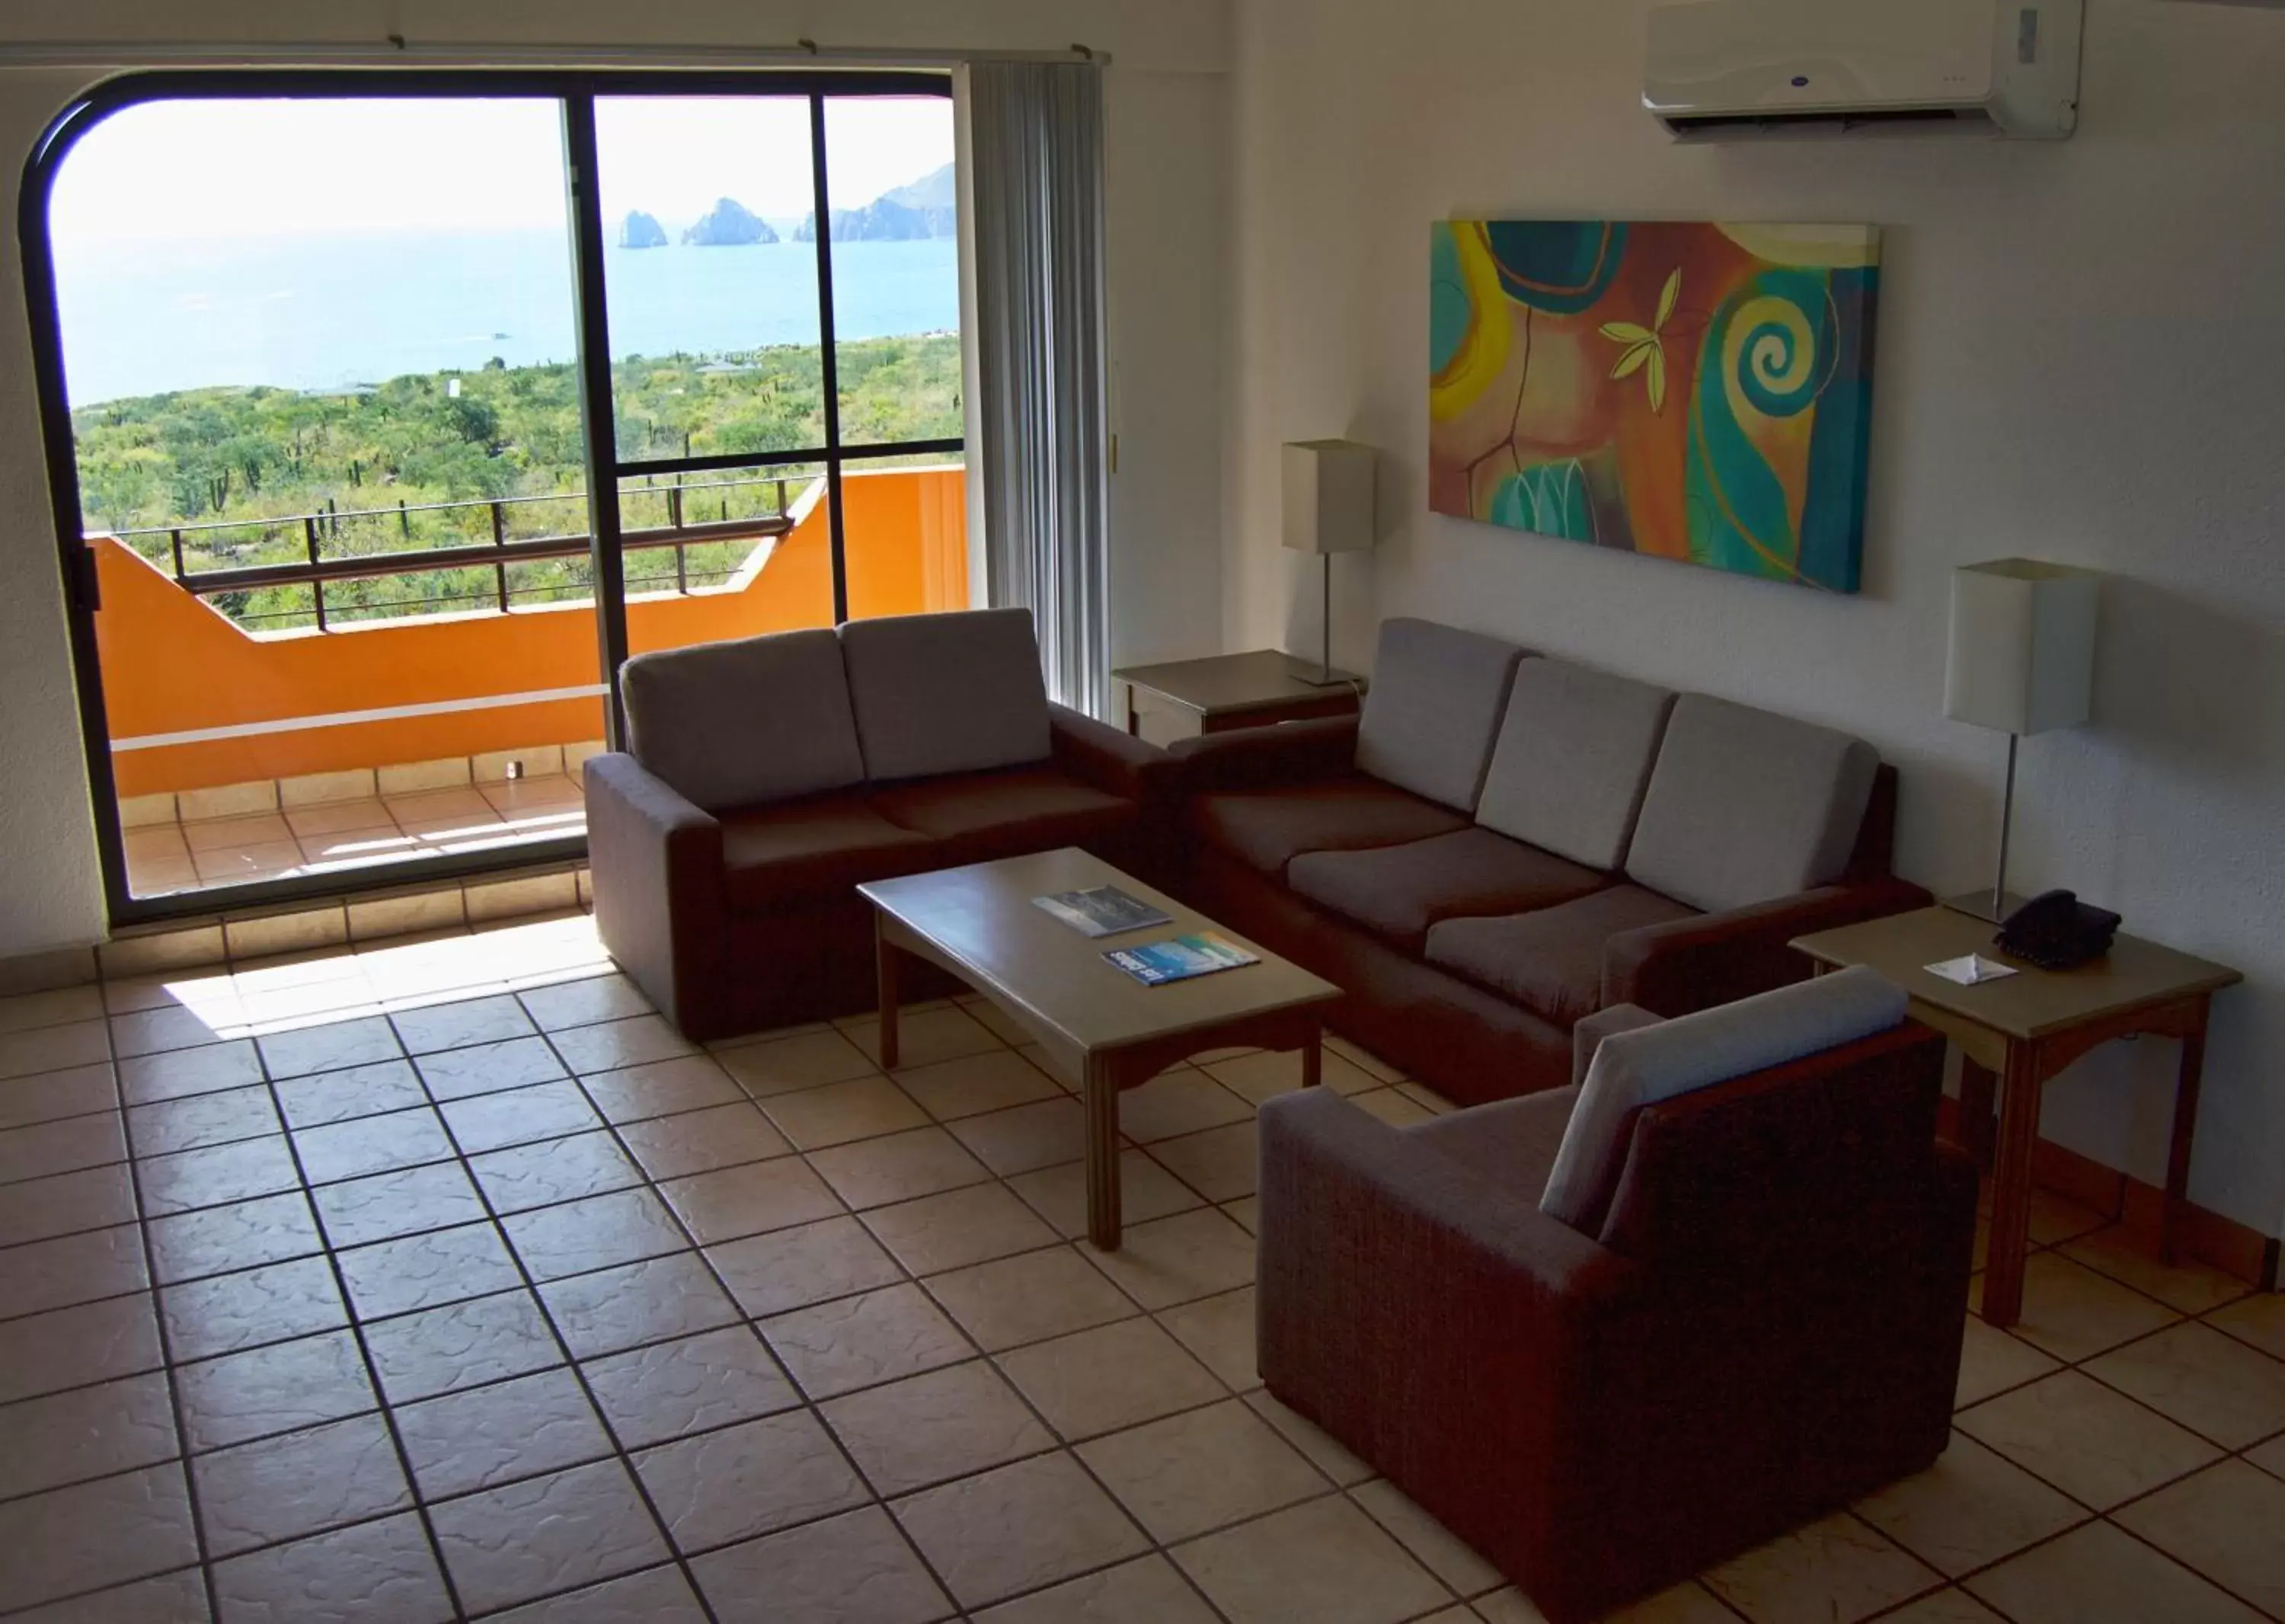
point(1035, 168)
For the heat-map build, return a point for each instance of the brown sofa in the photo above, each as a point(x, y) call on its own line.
point(1502, 844)
point(768, 777)
point(1747, 1313)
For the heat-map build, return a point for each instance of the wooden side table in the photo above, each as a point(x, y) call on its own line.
point(1235, 690)
point(2022, 1030)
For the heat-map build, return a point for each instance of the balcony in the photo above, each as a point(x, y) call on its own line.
point(433, 717)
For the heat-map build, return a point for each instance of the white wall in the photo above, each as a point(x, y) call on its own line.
point(2078, 360)
point(1165, 162)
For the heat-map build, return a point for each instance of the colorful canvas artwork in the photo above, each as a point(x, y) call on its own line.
point(1698, 392)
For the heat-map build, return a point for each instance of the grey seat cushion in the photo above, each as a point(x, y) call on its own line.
point(1434, 707)
point(729, 725)
point(1573, 756)
point(1267, 830)
point(1511, 1142)
point(1747, 806)
point(1549, 961)
point(1400, 892)
point(955, 693)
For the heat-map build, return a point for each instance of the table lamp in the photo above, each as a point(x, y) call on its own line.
point(1328, 508)
point(2022, 662)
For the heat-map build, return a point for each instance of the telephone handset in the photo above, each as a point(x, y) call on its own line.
point(2057, 931)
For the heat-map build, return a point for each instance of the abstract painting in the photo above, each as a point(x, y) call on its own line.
point(1698, 392)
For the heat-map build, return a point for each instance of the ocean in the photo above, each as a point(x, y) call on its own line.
point(328, 312)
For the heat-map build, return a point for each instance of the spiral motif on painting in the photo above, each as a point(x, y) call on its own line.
point(1777, 344)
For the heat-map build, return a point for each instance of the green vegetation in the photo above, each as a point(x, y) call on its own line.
point(380, 468)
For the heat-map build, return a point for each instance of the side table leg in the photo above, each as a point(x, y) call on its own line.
point(1979, 1088)
point(884, 969)
point(1100, 1089)
point(2186, 1127)
point(2011, 1199)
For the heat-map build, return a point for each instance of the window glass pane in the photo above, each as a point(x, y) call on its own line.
point(726, 554)
point(713, 301)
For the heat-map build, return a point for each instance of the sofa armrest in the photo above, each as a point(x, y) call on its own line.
point(1608, 1021)
point(1107, 759)
point(1691, 964)
point(1267, 757)
point(656, 860)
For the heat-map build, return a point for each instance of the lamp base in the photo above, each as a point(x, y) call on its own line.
point(1319, 677)
point(1978, 904)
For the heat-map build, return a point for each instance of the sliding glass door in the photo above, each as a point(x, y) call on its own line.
point(379, 436)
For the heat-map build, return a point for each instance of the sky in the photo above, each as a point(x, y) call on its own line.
point(190, 171)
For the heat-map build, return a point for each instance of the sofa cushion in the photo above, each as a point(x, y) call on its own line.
point(1400, 892)
point(1634, 1068)
point(1433, 709)
point(974, 817)
point(1747, 806)
point(1267, 830)
point(955, 693)
point(1573, 754)
point(801, 851)
point(728, 725)
point(1513, 1143)
point(1549, 961)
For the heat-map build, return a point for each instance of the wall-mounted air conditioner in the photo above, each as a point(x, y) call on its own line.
point(1742, 69)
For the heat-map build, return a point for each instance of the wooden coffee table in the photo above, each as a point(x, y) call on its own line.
point(1098, 1027)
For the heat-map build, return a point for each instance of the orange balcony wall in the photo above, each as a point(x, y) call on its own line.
point(284, 704)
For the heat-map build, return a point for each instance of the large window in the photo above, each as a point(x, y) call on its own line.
point(383, 436)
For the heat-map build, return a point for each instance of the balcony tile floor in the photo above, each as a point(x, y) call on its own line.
point(334, 836)
point(441, 1280)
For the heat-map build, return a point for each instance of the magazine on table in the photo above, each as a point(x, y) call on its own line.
point(1104, 910)
point(1180, 957)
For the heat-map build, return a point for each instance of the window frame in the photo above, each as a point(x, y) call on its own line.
point(575, 91)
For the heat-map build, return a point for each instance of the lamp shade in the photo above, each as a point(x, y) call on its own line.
point(1328, 486)
point(2022, 646)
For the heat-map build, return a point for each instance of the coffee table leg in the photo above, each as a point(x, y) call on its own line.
point(1313, 1055)
point(1101, 1091)
point(884, 969)
point(2185, 1128)
point(2011, 1195)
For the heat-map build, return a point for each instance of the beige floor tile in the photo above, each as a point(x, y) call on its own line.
point(494, 1435)
point(783, 1065)
point(401, 1203)
point(858, 1342)
point(489, 1068)
point(924, 1036)
point(299, 1484)
point(58, 1006)
point(2257, 1322)
point(751, 1478)
point(1200, 1469)
point(898, 1167)
point(1265, 1074)
point(1025, 1137)
point(50, 1096)
point(926, 1428)
point(71, 1269)
point(176, 1026)
point(1220, 1330)
point(654, 1300)
point(1837, 1569)
point(519, 1116)
point(279, 1388)
point(85, 1433)
point(1511, 1605)
point(358, 1150)
point(852, 1569)
point(735, 1201)
point(522, 1177)
point(509, 1544)
point(2189, 1287)
point(201, 1120)
point(1323, 1560)
point(993, 1019)
point(2097, 1447)
point(1363, 1058)
point(468, 1345)
point(958, 1228)
point(2227, 1523)
point(1148, 1590)
point(671, 1389)
point(344, 1096)
point(2057, 1219)
point(1689, 1603)
point(1175, 1102)
point(178, 1072)
point(1324, 1451)
point(2208, 1382)
point(91, 1535)
point(50, 1148)
point(661, 1088)
point(244, 1234)
point(1218, 1164)
point(2073, 1312)
point(1392, 1106)
point(1114, 1376)
point(2098, 1575)
point(792, 1269)
point(596, 1233)
point(657, 1596)
point(1146, 1190)
point(65, 1204)
point(461, 1023)
point(583, 1001)
point(1016, 1528)
point(274, 1303)
point(702, 1141)
point(613, 1045)
point(1029, 1298)
point(1439, 1549)
point(1971, 1509)
point(1991, 1362)
point(170, 1598)
point(1171, 1260)
point(426, 1270)
point(1941, 1607)
point(837, 1113)
point(974, 1084)
point(335, 1045)
point(66, 1347)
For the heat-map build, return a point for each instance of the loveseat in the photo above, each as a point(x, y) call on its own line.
point(766, 778)
point(1501, 844)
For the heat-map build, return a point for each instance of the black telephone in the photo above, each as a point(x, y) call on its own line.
point(2056, 931)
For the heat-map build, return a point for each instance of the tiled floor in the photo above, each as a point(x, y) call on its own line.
point(163, 858)
point(446, 1281)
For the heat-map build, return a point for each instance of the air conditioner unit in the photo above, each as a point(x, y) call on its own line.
point(1746, 70)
